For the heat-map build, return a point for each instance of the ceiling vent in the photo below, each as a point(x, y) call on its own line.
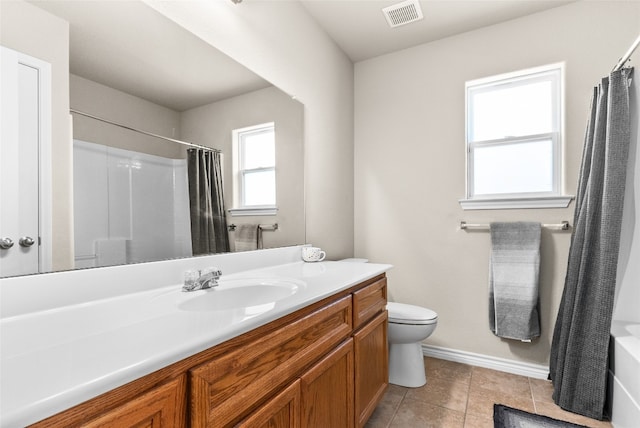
point(403, 13)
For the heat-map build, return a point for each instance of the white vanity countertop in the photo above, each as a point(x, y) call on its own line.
point(55, 359)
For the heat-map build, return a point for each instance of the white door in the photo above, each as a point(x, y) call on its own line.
point(24, 133)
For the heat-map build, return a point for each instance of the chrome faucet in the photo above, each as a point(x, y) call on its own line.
point(207, 278)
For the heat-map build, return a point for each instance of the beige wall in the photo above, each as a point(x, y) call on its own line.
point(280, 42)
point(410, 163)
point(212, 125)
point(117, 106)
point(30, 30)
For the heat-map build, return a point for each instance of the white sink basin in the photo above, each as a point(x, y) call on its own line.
point(242, 293)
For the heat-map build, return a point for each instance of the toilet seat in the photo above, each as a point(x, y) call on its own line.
point(401, 313)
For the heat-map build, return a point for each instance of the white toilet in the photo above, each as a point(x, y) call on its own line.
point(409, 325)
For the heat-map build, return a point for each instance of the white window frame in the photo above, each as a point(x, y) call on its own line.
point(239, 172)
point(552, 199)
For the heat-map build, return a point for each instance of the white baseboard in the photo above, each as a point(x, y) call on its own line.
point(536, 371)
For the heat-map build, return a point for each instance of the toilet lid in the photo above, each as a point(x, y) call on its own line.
point(402, 313)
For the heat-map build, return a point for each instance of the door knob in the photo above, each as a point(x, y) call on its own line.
point(6, 243)
point(26, 241)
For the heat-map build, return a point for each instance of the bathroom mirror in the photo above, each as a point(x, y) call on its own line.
point(132, 66)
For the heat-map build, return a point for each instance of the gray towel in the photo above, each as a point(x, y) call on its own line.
point(246, 237)
point(513, 280)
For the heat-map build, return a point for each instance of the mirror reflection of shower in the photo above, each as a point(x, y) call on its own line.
point(130, 207)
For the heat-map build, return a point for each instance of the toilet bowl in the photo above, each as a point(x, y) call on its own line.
point(409, 325)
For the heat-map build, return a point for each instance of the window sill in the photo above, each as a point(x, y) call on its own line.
point(238, 212)
point(516, 203)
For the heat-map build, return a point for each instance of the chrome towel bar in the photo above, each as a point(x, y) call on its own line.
point(274, 226)
point(562, 226)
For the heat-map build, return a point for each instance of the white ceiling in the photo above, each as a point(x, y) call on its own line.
point(129, 46)
point(361, 30)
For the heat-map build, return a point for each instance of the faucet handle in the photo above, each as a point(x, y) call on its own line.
point(214, 271)
point(190, 279)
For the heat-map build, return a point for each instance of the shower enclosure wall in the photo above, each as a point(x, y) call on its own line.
point(129, 207)
point(624, 361)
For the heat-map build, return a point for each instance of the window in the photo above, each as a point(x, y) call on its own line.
point(514, 140)
point(254, 170)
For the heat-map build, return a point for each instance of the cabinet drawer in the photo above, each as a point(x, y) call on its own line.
point(369, 301)
point(161, 407)
point(224, 389)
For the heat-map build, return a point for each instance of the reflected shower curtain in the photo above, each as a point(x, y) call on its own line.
point(579, 352)
point(209, 233)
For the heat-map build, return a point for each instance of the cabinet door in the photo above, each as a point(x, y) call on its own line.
point(162, 407)
point(326, 390)
point(282, 411)
point(371, 355)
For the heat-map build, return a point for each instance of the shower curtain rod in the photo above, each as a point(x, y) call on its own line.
point(627, 55)
point(173, 140)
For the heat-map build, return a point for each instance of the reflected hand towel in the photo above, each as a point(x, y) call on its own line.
point(246, 237)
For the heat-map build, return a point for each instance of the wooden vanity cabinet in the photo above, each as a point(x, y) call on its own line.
point(324, 366)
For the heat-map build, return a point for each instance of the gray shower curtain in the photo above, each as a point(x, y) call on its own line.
point(209, 233)
point(579, 351)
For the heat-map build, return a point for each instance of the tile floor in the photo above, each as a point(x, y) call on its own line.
point(462, 396)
